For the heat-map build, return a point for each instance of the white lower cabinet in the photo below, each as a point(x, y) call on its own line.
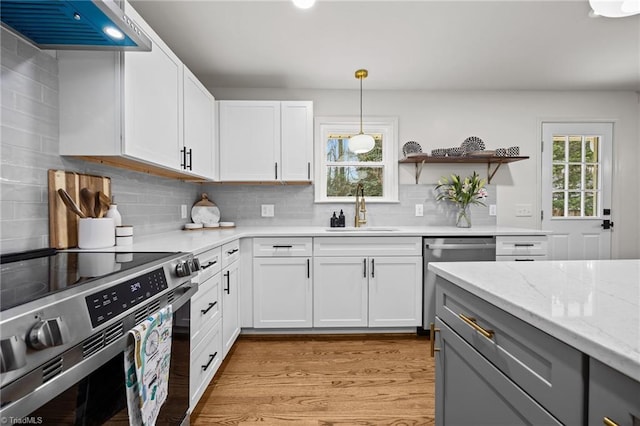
point(340, 292)
point(206, 327)
point(230, 295)
point(282, 284)
point(521, 248)
point(370, 289)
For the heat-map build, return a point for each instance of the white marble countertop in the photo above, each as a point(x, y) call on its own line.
point(200, 240)
point(593, 306)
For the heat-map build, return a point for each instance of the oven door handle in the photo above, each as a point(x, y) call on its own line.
point(187, 292)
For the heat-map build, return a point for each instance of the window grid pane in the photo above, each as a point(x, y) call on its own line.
point(576, 176)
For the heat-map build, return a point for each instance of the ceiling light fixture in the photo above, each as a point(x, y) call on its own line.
point(361, 143)
point(615, 8)
point(304, 4)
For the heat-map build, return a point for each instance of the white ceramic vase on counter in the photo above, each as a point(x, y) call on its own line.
point(94, 233)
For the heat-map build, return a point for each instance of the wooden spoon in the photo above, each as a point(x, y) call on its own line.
point(88, 202)
point(102, 204)
point(68, 201)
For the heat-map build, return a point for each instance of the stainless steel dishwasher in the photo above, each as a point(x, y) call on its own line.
point(450, 249)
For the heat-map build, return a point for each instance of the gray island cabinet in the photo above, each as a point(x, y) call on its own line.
point(540, 345)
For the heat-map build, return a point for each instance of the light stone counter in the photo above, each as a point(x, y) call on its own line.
point(593, 306)
point(201, 240)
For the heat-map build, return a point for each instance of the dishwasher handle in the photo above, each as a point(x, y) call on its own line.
point(460, 246)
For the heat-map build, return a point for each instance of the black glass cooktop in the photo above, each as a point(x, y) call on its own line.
point(31, 275)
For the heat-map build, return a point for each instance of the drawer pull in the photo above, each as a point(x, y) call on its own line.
point(472, 322)
point(524, 260)
point(211, 358)
point(230, 252)
point(433, 330)
point(283, 246)
point(213, 262)
point(523, 245)
point(211, 305)
point(228, 288)
point(608, 422)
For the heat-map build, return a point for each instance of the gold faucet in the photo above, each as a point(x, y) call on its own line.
point(361, 210)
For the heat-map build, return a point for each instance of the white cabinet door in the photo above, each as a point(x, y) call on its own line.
point(199, 107)
point(297, 140)
point(153, 106)
point(340, 291)
point(282, 294)
point(249, 140)
point(395, 291)
point(230, 307)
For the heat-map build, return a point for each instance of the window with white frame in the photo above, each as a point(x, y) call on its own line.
point(338, 170)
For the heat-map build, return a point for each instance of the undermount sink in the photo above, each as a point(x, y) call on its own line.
point(364, 229)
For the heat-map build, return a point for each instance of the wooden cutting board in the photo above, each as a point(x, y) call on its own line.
point(63, 223)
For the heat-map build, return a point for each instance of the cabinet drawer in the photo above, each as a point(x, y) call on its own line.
point(205, 308)
point(547, 369)
point(210, 263)
point(230, 253)
point(517, 245)
point(205, 361)
point(367, 246)
point(612, 395)
point(282, 247)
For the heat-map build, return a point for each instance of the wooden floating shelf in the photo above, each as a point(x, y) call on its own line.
point(420, 160)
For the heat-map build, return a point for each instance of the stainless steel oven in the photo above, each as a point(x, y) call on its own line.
point(64, 326)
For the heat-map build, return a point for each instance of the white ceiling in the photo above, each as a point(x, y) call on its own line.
point(405, 45)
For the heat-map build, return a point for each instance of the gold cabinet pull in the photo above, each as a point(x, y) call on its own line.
point(433, 330)
point(608, 422)
point(472, 322)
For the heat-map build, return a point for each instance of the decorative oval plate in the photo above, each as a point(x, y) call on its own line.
point(411, 147)
point(472, 143)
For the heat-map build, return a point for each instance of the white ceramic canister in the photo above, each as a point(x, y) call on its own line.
point(94, 233)
point(114, 214)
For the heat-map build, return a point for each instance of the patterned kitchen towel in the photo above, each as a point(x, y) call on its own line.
point(146, 366)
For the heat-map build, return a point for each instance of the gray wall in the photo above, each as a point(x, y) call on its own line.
point(29, 143)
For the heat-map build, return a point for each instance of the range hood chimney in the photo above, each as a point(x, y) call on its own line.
point(73, 24)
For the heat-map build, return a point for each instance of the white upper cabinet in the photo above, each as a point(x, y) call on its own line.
point(265, 140)
point(128, 109)
point(199, 125)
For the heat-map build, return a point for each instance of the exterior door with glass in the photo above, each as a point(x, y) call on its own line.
point(576, 189)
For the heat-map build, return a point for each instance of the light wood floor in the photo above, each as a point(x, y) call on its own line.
point(322, 380)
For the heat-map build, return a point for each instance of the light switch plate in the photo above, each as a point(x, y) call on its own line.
point(267, 210)
point(492, 210)
point(419, 210)
point(183, 211)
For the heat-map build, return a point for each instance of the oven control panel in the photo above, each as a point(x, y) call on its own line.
point(111, 302)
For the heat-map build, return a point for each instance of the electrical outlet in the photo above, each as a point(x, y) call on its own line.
point(183, 211)
point(419, 210)
point(267, 210)
point(524, 210)
point(492, 210)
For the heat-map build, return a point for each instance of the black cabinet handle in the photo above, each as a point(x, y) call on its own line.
point(524, 260)
point(230, 252)
point(283, 246)
point(309, 171)
point(364, 262)
point(373, 268)
point(308, 268)
point(523, 245)
point(211, 358)
point(276, 171)
point(213, 262)
point(228, 289)
point(190, 159)
point(183, 164)
point(211, 305)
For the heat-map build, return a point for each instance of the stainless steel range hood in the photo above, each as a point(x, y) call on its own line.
point(73, 24)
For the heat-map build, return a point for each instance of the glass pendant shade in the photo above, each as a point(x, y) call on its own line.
point(361, 143)
point(304, 4)
point(615, 8)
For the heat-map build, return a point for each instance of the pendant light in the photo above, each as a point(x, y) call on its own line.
point(615, 8)
point(361, 143)
point(304, 4)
